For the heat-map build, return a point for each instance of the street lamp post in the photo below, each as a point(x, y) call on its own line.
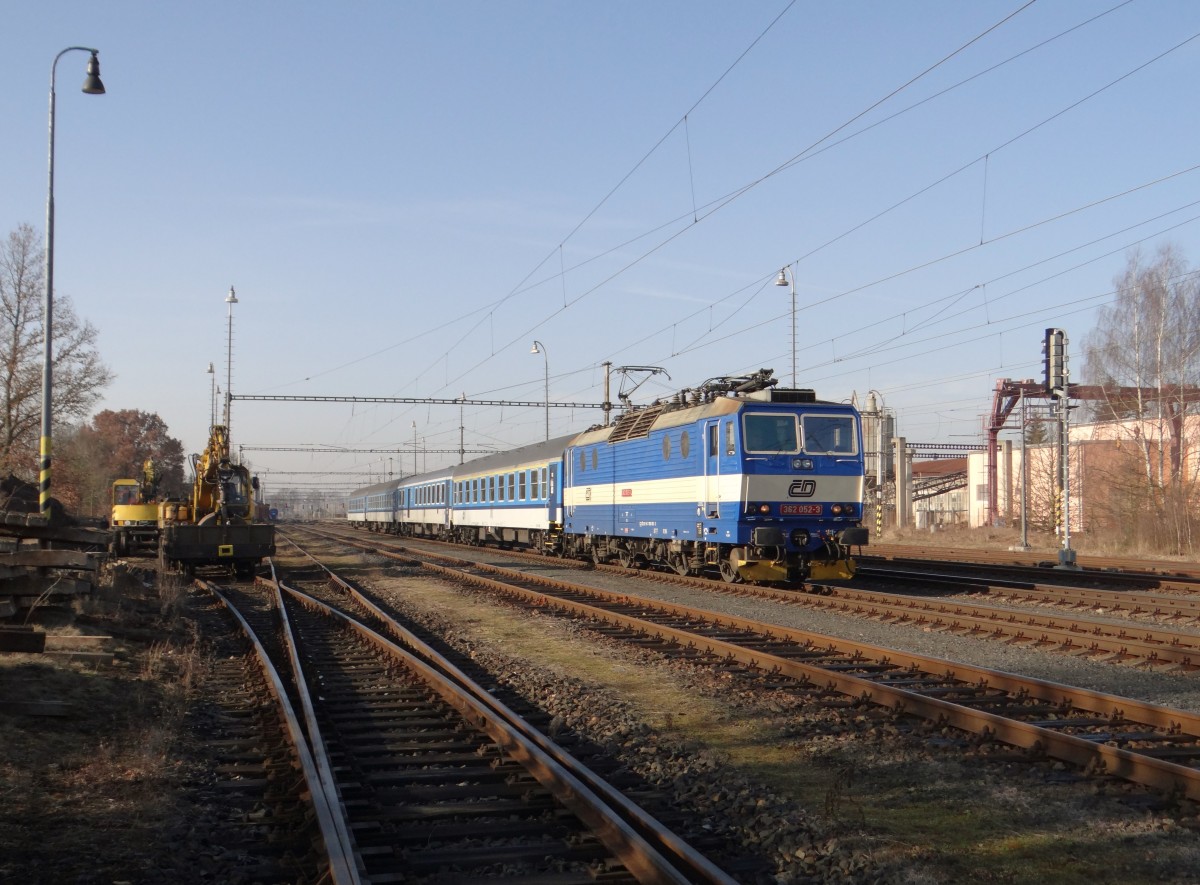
point(212, 383)
point(783, 280)
point(91, 86)
point(231, 300)
point(546, 359)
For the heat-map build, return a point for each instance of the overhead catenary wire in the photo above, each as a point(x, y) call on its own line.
point(564, 270)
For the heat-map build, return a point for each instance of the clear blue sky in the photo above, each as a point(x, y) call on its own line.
point(405, 195)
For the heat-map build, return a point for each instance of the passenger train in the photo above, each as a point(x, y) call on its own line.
point(755, 483)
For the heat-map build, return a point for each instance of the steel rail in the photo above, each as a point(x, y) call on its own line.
point(1134, 601)
point(644, 860)
point(1155, 645)
point(343, 867)
point(651, 829)
point(316, 742)
point(1167, 569)
point(1141, 768)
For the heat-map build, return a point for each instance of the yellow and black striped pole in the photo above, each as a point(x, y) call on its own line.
point(44, 478)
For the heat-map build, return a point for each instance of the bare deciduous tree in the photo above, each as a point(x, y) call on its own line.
point(79, 374)
point(1145, 347)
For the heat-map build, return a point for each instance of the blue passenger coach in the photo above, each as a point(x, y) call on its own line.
point(755, 483)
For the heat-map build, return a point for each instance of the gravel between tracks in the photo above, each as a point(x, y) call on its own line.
point(1154, 686)
point(882, 804)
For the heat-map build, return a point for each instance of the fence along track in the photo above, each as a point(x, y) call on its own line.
point(1088, 729)
point(647, 849)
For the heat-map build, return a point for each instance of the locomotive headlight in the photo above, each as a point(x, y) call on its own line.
point(802, 464)
point(752, 508)
point(799, 537)
point(836, 509)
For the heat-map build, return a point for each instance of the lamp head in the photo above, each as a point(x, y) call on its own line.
point(534, 349)
point(231, 298)
point(782, 279)
point(91, 83)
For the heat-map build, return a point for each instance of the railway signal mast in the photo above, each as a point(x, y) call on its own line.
point(1054, 350)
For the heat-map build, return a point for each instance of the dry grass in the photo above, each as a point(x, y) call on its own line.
point(85, 790)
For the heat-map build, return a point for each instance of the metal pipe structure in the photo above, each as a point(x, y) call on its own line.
point(546, 359)
point(91, 86)
point(785, 279)
point(212, 383)
point(231, 300)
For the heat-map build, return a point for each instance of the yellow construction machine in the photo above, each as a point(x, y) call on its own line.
point(217, 527)
point(134, 522)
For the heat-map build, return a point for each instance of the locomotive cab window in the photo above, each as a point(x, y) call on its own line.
point(770, 433)
point(829, 434)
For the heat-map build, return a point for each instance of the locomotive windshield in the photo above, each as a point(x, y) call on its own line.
point(770, 432)
point(829, 434)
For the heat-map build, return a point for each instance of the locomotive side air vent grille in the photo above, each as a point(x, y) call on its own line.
point(635, 424)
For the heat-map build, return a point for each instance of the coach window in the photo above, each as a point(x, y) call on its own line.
point(535, 493)
point(685, 444)
point(545, 488)
point(521, 486)
point(512, 487)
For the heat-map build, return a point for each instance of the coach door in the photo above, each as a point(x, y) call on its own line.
point(550, 490)
point(710, 479)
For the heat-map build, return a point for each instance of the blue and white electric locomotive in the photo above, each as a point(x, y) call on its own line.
point(735, 476)
point(760, 484)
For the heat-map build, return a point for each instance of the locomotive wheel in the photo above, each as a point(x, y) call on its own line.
point(729, 574)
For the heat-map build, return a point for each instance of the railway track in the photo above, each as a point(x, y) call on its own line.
point(262, 765)
point(1142, 743)
point(1083, 631)
point(1090, 566)
point(427, 777)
